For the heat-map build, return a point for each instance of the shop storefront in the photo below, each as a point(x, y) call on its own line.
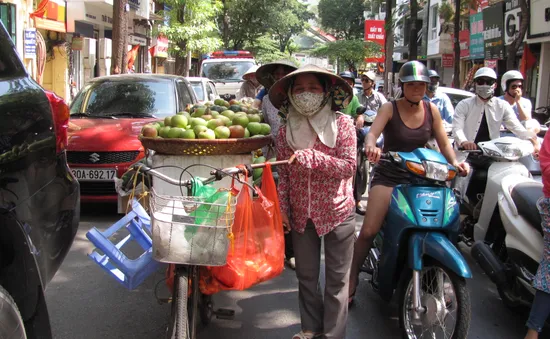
point(538, 34)
point(476, 49)
point(493, 32)
point(159, 53)
point(51, 48)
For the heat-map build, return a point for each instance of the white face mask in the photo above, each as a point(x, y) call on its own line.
point(485, 91)
point(308, 103)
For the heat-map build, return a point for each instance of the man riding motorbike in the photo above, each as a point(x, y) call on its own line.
point(438, 98)
point(479, 119)
point(351, 108)
point(512, 84)
point(369, 98)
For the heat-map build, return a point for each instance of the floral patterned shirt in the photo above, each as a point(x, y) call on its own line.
point(318, 185)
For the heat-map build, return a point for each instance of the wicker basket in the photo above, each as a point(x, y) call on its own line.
point(204, 146)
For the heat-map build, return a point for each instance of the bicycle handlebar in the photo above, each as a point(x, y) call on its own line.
point(216, 174)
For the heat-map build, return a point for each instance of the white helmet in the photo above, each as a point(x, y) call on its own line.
point(510, 75)
point(485, 72)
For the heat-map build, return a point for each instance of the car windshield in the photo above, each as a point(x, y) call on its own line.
point(456, 98)
point(199, 91)
point(226, 71)
point(138, 98)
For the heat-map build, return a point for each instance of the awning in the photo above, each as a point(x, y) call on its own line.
point(50, 15)
point(49, 25)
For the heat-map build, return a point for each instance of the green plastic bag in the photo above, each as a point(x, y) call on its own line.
point(206, 213)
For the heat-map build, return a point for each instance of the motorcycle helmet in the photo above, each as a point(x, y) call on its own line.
point(370, 75)
point(433, 74)
point(508, 77)
point(347, 75)
point(413, 71)
point(485, 72)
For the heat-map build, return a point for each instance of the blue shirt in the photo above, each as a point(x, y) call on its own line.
point(443, 104)
point(261, 94)
point(525, 104)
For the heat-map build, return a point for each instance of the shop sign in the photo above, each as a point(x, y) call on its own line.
point(30, 43)
point(477, 47)
point(464, 41)
point(375, 32)
point(161, 48)
point(447, 60)
point(493, 31)
point(137, 40)
point(140, 7)
point(512, 21)
point(481, 5)
point(53, 18)
point(539, 23)
point(491, 64)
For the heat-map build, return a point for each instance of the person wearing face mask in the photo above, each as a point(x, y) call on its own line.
point(267, 75)
point(369, 98)
point(438, 98)
point(249, 89)
point(479, 118)
point(407, 124)
point(512, 85)
point(315, 192)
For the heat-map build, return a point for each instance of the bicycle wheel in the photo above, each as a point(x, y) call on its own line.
point(179, 319)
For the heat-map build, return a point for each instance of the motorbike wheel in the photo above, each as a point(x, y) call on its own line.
point(446, 303)
point(11, 323)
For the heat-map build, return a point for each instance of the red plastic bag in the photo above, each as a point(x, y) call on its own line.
point(257, 253)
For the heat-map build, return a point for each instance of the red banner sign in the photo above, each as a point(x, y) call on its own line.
point(375, 32)
point(447, 60)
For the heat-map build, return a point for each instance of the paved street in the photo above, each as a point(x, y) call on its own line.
point(86, 303)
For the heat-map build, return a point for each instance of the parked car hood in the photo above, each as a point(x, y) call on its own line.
point(105, 134)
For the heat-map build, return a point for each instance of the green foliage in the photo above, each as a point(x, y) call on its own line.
point(342, 18)
point(287, 18)
point(266, 49)
point(352, 52)
point(245, 20)
point(193, 25)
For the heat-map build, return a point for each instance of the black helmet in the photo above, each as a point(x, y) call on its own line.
point(347, 75)
point(433, 74)
point(414, 71)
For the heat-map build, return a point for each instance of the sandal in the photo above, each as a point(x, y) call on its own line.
point(306, 335)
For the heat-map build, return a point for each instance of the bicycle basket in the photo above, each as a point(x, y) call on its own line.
point(192, 230)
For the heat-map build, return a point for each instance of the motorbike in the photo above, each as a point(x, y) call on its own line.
point(363, 174)
point(511, 260)
point(415, 256)
point(478, 192)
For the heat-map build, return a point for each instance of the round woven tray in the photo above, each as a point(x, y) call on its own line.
point(204, 146)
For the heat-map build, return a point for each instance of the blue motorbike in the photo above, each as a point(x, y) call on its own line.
point(415, 256)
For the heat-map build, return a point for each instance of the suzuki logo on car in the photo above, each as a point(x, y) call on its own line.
point(94, 157)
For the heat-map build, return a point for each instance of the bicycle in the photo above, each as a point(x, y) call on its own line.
point(183, 318)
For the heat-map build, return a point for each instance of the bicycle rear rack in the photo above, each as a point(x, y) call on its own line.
point(108, 253)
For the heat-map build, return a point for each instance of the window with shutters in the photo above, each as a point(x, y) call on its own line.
point(7, 16)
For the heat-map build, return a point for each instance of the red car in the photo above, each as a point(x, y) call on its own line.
point(107, 116)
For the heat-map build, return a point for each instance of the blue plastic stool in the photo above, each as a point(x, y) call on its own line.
point(128, 272)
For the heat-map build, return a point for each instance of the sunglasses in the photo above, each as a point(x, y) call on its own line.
point(516, 86)
point(365, 79)
point(489, 82)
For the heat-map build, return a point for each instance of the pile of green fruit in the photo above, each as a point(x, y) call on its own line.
point(217, 120)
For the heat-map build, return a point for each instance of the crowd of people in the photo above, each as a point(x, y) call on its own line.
point(313, 115)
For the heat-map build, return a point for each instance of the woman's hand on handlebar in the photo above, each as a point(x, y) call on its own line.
point(373, 153)
point(463, 169)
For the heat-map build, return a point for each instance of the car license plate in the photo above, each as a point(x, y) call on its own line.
point(94, 174)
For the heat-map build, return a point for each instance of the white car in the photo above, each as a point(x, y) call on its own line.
point(204, 88)
point(456, 95)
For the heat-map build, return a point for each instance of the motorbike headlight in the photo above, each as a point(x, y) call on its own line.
point(436, 171)
point(510, 151)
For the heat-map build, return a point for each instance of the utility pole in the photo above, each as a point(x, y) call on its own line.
point(413, 43)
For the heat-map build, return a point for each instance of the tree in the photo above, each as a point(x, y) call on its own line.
point(120, 34)
point(456, 75)
point(343, 18)
point(516, 44)
point(192, 28)
point(351, 52)
point(286, 19)
point(244, 21)
point(266, 49)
